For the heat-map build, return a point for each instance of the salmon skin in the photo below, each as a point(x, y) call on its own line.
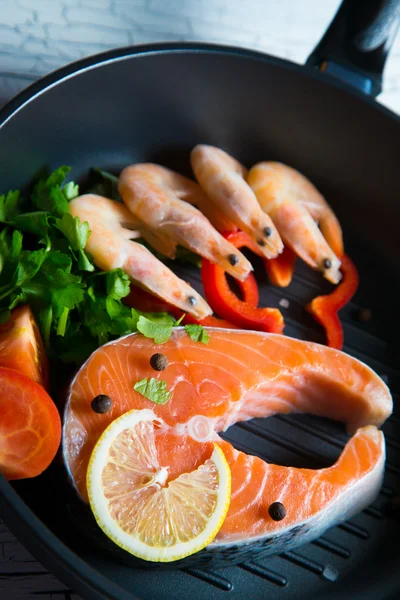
point(237, 376)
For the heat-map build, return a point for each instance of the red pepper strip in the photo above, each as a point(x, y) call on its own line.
point(280, 269)
point(243, 313)
point(248, 287)
point(325, 308)
point(226, 304)
point(240, 239)
point(146, 302)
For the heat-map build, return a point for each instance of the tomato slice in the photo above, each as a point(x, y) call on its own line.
point(21, 346)
point(30, 426)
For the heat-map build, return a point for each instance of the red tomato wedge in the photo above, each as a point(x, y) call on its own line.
point(30, 426)
point(21, 346)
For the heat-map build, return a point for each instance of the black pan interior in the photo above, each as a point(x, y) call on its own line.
point(156, 106)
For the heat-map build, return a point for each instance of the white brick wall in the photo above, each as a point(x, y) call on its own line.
point(37, 36)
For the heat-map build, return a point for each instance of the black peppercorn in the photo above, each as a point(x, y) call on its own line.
point(159, 362)
point(101, 404)
point(277, 511)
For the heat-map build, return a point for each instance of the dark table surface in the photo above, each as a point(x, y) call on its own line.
point(22, 577)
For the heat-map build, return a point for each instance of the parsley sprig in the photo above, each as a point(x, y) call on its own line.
point(43, 262)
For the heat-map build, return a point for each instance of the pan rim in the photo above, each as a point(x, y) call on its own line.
point(41, 85)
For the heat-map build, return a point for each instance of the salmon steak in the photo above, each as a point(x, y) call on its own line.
point(240, 375)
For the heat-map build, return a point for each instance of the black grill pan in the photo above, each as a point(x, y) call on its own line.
point(155, 103)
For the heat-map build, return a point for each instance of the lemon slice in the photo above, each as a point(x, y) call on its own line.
point(136, 507)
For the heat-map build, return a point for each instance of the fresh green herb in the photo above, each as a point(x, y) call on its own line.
point(179, 321)
point(159, 332)
point(48, 195)
point(153, 389)
point(16, 244)
point(62, 322)
point(197, 333)
point(84, 261)
point(8, 205)
point(44, 262)
point(45, 321)
point(70, 191)
point(35, 223)
point(77, 233)
point(117, 284)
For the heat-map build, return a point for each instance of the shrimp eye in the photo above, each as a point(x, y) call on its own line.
point(327, 263)
point(192, 300)
point(233, 259)
point(261, 242)
point(267, 231)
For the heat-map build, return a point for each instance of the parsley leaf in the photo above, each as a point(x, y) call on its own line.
point(84, 262)
point(28, 265)
point(66, 291)
point(57, 177)
point(153, 389)
point(160, 318)
point(197, 333)
point(160, 332)
point(16, 244)
point(77, 233)
point(56, 260)
point(8, 205)
point(118, 284)
point(70, 191)
point(47, 194)
point(36, 223)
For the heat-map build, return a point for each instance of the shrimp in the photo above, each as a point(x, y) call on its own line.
point(293, 203)
point(223, 180)
point(154, 195)
point(110, 243)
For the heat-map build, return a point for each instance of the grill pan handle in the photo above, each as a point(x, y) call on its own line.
point(357, 42)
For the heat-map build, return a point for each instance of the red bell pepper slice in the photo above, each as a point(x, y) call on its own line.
point(280, 269)
point(325, 308)
point(243, 313)
point(225, 303)
point(248, 287)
